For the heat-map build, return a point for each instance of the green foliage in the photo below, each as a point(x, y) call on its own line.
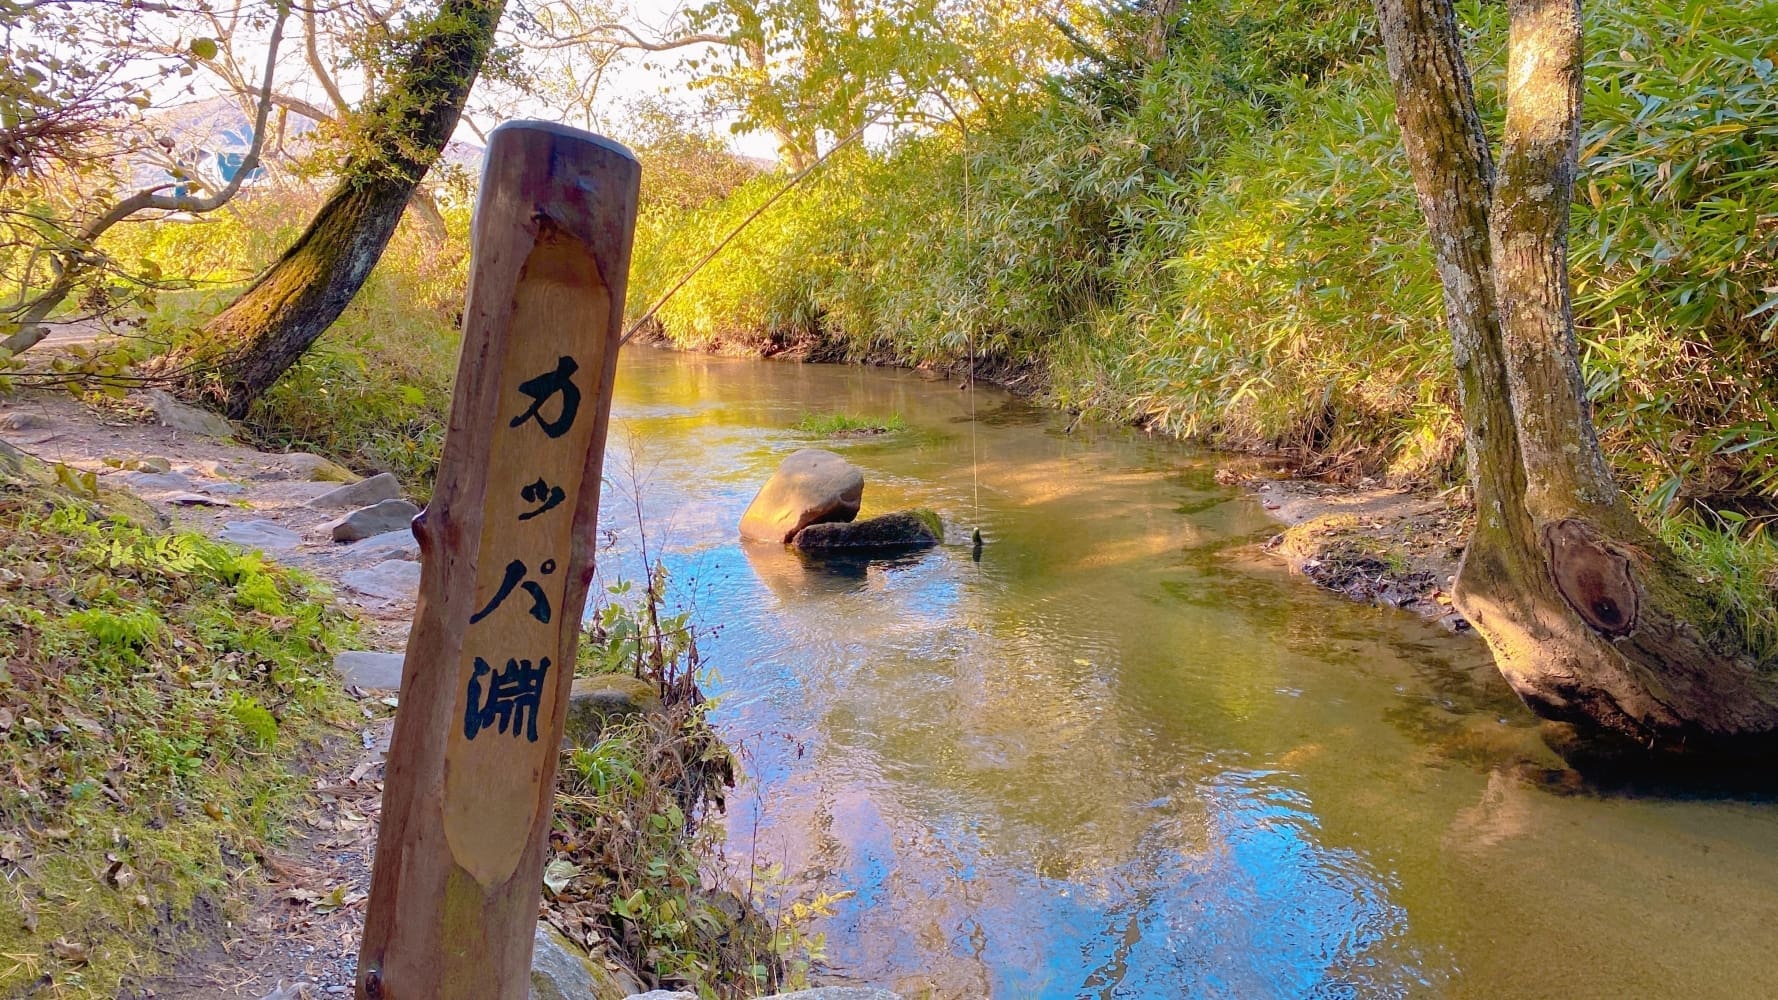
point(374, 392)
point(255, 720)
point(635, 863)
point(1738, 555)
point(151, 735)
point(1205, 225)
point(849, 425)
point(131, 629)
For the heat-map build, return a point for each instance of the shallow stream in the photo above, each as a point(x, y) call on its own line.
point(1127, 756)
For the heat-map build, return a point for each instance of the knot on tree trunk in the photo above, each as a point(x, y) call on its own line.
point(1592, 576)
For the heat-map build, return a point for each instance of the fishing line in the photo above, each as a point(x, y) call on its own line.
point(975, 465)
point(730, 238)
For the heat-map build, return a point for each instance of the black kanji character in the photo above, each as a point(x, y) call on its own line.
point(544, 493)
point(541, 388)
point(515, 572)
point(514, 698)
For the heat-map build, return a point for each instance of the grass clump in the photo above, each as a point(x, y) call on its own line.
point(849, 425)
point(635, 870)
point(153, 722)
point(374, 392)
point(1738, 556)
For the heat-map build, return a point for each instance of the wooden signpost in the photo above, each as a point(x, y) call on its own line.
point(507, 554)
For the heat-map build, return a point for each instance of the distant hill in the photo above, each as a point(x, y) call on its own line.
point(211, 137)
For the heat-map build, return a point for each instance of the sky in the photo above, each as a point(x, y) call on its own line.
point(638, 75)
point(656, 19)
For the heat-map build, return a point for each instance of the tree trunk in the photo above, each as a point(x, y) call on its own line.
point(1591, 618)
point(256, 339)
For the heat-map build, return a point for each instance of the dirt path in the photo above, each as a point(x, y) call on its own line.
point(299, 937)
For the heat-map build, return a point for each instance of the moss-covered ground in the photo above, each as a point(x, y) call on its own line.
point(161, 699)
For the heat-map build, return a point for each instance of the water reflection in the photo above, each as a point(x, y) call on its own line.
point(1118, 758)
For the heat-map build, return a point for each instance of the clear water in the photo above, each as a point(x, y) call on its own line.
point(1125, 756)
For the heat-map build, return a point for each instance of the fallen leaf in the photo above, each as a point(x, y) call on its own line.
point(85, 724)
point(331, 901)
point(558, 874)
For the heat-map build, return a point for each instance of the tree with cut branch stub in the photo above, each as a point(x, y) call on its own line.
point(1591, 618)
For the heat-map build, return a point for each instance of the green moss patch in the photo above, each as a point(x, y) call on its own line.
point(160, 699)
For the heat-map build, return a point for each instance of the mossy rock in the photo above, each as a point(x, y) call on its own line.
point(902, 531)
point(561, 971)
point(596, 700)
point(21, 470)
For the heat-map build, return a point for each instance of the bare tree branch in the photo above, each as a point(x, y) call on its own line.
point(313, 52)
point(76, 261)
point(623, 37)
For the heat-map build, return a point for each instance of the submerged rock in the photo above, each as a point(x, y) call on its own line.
point(810, 487)
point(898, 532)
point(377, 519)
point(376, 489)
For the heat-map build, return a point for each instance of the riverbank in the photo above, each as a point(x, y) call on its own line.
point(258, 868)
point(1369, 542)
point(1392, 548)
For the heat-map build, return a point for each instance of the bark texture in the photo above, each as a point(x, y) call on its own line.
point(1591, 618)
point(256, 339)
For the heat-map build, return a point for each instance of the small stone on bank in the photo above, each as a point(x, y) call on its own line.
point(18, 420)
point(370, 670)
point(158, 482)
point(187, 418)
point(561, 971)
point(389, 580)
point(397, 544)
point(376, 489)
point(595, 700)
point(195, 500)
point(260, 534)
point(314, 468)
point(377, 519)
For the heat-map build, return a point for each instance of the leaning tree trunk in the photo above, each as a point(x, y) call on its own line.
point(1591, 618)
point(256, 339)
